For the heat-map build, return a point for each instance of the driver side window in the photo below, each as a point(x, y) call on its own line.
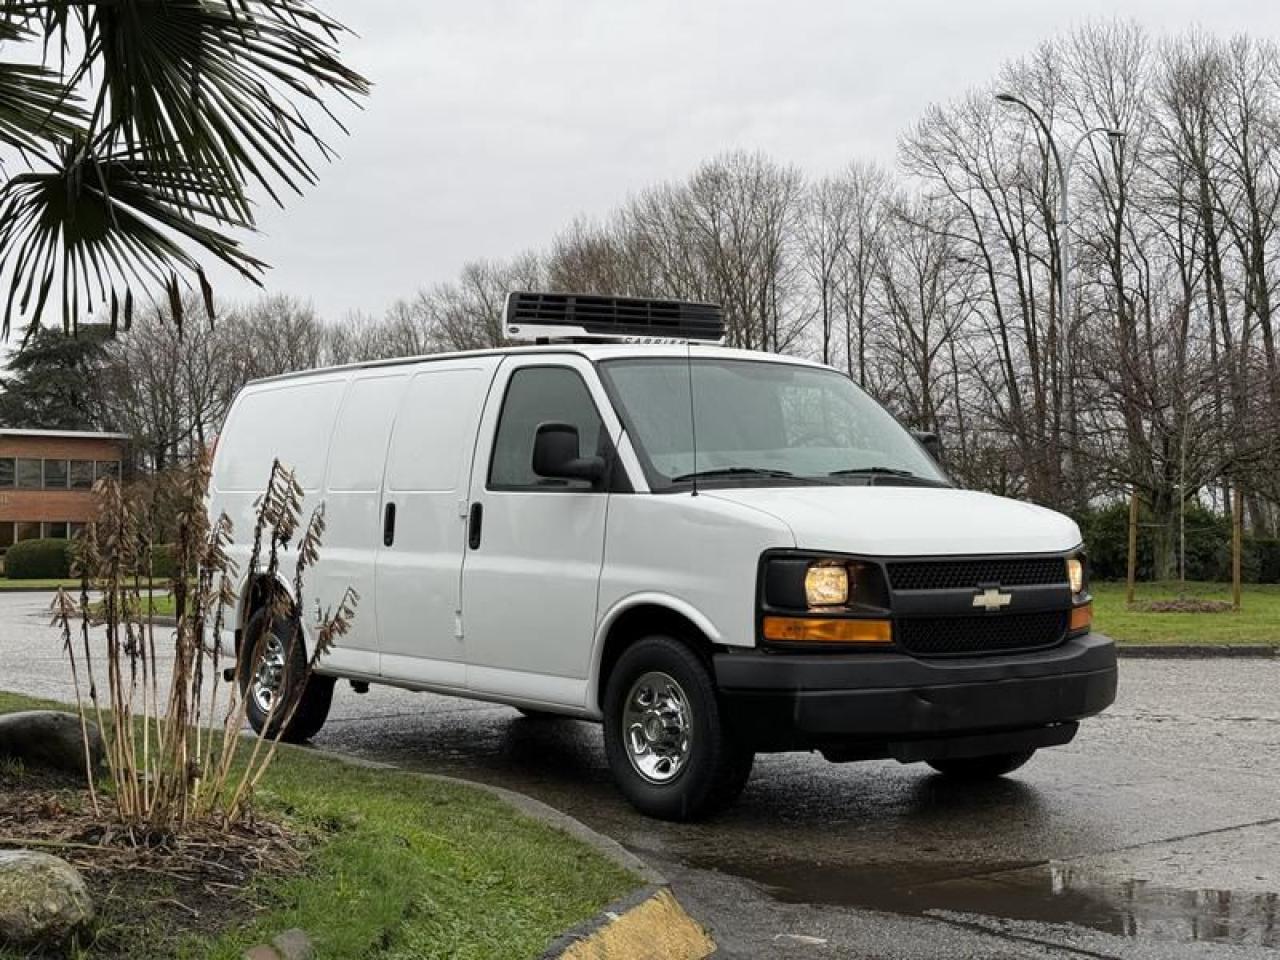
point(538, 395)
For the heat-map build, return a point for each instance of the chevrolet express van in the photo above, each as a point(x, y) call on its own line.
point(712, 552)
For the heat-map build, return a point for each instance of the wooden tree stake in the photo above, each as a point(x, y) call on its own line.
point(1131, 573)
point(1237, 548)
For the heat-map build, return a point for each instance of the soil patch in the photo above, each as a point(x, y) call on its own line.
point(153, 890)
point(1183, 605)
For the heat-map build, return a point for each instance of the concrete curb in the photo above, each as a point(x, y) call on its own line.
point(647, 924)
point(1187, 651)
point(650, 925)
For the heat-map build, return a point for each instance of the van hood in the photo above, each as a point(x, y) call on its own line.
point(908, 521)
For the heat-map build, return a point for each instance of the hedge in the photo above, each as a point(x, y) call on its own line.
point(163, 561)
point(1106, 538)
point(38, 559)
point(51, 558)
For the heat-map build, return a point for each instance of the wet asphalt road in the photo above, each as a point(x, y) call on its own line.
point(1156, 834)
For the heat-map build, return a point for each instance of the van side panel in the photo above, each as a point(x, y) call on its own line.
point(419, 574)
point(353, 512)
point(291, 420)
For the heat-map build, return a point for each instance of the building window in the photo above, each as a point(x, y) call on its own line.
point(81, 474)
point(30, 474)
point(26, 530)
point(109, 468)
point(75, 529)
point(55, 474)
point(56, 529)
point(6, 534)
point(6, 471)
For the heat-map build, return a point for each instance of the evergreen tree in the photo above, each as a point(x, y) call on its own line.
point(51, 381)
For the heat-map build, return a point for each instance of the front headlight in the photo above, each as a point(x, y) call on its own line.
point(826, 585)
point(1075, 573)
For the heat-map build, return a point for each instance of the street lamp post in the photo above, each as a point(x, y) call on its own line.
point(1064, 242)
point(1064, 197)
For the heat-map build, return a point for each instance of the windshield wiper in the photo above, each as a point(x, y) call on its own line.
point(893, 472)
point(734, 472)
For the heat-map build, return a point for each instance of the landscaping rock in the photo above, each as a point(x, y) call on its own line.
point(43, 900)
point(291, 945)
point(49, 739)
point(294, 945)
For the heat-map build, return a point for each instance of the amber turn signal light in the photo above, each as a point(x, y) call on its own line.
point(822, 630)
point(1081, 617)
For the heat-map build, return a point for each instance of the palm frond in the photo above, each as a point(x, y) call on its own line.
point(222, 85)
point(35, 105)
point(98, 228)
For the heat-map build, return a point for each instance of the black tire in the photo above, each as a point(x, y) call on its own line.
point(716, 765)
point(313, 707)
point(981, 768)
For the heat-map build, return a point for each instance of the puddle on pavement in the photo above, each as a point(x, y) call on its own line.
point(1051, 893)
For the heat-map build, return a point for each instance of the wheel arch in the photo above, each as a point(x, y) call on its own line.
point(640, 615)
point(255, 589)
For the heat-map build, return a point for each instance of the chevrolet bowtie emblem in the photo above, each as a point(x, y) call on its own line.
point(992, 600)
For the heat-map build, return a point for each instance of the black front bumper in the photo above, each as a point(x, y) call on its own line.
point(864, 705)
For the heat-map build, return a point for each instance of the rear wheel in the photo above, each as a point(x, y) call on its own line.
point(670, 750)
point(981, 768)
point(270, 674)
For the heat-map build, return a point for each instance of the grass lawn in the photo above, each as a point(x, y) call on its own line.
point(1257, 622)
point(71, 585)
point(404, 868)
point(38, 584)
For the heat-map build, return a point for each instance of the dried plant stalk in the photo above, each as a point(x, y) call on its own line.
point(168, 766)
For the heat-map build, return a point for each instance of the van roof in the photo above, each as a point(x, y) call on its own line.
point(591, 351)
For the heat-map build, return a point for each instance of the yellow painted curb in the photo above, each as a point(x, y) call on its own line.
point(655, 929)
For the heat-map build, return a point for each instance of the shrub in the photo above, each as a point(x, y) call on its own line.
point(1106, 537)
point(38, 559)
point(164, 562)
point(1266, 559)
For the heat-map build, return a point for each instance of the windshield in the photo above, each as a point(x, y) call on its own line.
point(759, 422)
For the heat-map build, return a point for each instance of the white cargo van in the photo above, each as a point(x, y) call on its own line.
point(712, 551)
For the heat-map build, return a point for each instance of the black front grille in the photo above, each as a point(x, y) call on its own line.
point(967, 574)
point(956, 636)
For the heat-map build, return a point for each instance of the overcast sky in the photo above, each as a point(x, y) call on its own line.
point(493, 123)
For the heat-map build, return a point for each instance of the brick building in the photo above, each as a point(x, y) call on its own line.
point(47, 476)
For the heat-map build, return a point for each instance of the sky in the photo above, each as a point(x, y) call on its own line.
point(494, 123)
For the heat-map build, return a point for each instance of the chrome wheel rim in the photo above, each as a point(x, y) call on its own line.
point(269, 673)
point(657, 727)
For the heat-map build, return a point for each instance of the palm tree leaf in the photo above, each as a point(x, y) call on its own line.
point(35, 105)
point(102, 226)
point(218, 85)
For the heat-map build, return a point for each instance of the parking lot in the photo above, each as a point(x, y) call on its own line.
point(1155, 834)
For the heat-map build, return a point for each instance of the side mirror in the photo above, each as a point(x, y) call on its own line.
point(555, 455)
point(931, 443)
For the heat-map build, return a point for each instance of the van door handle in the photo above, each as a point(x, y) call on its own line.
point(474, 525)
point(389, 525)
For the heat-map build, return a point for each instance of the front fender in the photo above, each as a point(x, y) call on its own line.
point(645, 599)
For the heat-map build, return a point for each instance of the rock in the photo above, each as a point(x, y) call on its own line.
point(294, 945)
point(261, 952)
point(43, 900)
point(49, 739)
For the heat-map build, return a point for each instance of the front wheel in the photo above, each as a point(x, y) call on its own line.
point(670, 750)
point(271, 669)
point(981, 768)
